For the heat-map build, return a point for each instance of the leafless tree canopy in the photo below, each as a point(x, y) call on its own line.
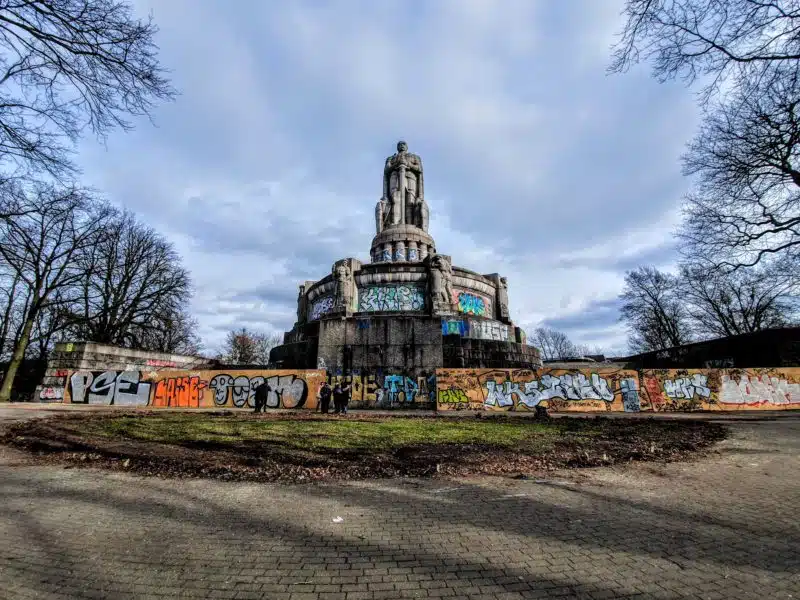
point(745, 206)
point(721, 41)
point(747, 300)
point(653, 311)
point(66, 65)
point(38, 249)
point(553, 344)
point(134, 289)
point(245, 347)
point(663, 310)
point(70, 266)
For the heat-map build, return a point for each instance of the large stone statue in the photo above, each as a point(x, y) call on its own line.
point(403, 199)
point(440, 278)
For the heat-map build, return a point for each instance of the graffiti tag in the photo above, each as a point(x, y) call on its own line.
point(391, 298)
point(687, 387)
point(109, 387)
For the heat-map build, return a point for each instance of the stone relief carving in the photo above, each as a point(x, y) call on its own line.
point(344, 286)
point(440, 278)
point(301, 304)
point(502, 299)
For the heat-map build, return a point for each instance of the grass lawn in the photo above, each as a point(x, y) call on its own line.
point(304, 447)
point(365, 434)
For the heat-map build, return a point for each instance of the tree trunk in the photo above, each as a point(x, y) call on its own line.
point(16, 358)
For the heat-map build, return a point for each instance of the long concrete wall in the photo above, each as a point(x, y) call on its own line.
point(589, 389)
point(618, 390)
point(193, 389)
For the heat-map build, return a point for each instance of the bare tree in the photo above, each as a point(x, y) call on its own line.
point(553, 344)
point(174, 332)
point(245, 347)
point(39, 247)
point(743, 301)
point(721, 41)
point(745, 206)
point(66, 65)
point(652, 309)
point(134, 288)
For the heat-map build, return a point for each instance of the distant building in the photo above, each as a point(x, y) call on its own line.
point(762, 349)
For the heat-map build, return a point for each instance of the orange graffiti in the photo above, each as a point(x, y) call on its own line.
point(181, 392)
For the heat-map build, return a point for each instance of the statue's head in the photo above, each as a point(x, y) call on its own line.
point(402, 146)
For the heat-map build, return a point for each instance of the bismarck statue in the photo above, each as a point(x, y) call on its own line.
point(403, 200)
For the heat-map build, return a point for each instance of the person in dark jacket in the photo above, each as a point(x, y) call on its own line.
point(262, 391)
point(337, 398)
point(325, 398)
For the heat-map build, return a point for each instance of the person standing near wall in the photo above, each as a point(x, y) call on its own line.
point(337, 398)
point(345, 397)
point(325, 398)
point(262, 391)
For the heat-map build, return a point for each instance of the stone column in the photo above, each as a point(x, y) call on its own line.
point(423, 252)
point(412, 253)
point(399, 251)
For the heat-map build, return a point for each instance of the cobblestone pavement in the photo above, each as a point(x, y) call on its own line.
point(724, 526)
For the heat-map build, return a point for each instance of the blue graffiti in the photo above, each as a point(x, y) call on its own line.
point(455, 327)
point(472, 304)
point(394, 385)
point(413, 254)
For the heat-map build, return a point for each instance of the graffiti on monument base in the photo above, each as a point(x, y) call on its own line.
point(388, 391)
point(400, 297)
point(524, 389)
point(320, 307)
point(472, 304)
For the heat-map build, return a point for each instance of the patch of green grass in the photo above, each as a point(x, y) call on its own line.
point(322, 434)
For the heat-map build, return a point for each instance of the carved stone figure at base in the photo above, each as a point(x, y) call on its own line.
point(343, 288)
point(440, 277)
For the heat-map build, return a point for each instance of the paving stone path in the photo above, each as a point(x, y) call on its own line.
point(725, 526)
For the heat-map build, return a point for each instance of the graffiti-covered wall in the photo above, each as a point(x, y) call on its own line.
point(389, 390)
point(600, 389)
point(193, 389)
point(524, 389)
point(721, 389)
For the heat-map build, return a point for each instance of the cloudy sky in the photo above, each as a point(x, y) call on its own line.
point(538, 164)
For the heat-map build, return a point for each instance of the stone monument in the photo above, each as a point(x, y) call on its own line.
point(409, 310)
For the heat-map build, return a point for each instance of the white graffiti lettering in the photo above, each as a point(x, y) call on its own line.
point(759, 391)
point(288, 391)
point(109, 387)
point(567, 386)
point(687, 387)
point(391, 298)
